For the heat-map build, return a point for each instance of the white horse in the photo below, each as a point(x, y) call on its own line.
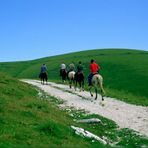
point(71, 76)
point(97, 82)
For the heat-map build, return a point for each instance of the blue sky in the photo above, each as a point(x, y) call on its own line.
point(31, 29)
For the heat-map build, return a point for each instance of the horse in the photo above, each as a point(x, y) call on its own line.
point(97, 81)
point(79, 78)
point(63, 74)
point(43, 77)
point(71, 77)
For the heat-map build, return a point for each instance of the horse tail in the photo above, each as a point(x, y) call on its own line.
point(100, 81)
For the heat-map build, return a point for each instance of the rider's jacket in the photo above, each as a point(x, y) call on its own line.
point(43, 69)
point(94, 68)
point(80, 68)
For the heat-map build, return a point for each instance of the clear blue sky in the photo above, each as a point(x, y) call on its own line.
point(31, 29)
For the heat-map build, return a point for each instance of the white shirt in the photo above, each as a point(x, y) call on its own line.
point(63, 66)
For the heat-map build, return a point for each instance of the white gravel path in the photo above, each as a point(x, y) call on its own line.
point(124, 114)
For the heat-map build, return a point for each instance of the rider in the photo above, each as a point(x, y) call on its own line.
point(62, 68)
point(79, 76)
point(43, 70)
point(94, 69)
point(80, 67)
point(71, 67)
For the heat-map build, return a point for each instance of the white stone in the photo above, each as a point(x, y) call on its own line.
point(81, 131)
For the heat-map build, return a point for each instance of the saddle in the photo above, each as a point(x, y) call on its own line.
point(96, 73)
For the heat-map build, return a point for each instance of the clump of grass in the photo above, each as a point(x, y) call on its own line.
point(53, 129)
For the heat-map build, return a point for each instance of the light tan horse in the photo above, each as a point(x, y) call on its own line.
point(71, 76)
point(97, 82)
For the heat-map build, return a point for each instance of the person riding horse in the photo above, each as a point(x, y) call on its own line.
point(79, 76)
point(71, 67)
point(63, 72)
point(62, 68)
point(95, 80)
point(80, 67)
point(71, 74)
point(94, 69)
point(43, 74)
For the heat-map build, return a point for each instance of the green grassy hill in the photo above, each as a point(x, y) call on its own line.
point(125, 72)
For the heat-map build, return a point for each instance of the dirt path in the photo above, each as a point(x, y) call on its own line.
point(125, 115)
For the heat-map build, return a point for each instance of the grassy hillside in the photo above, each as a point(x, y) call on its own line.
point(125, 72)
point(26, 120)
point(31, 120)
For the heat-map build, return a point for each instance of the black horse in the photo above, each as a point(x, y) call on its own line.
point(63, 74)
point(43, 77)
point(79, 78)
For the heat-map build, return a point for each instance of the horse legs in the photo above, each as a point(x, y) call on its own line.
point(102, 91)
point(70, 83)
point(46, 81)
point(76, 84)
point(83, 84)
point(80, 86)
point(96, 93)
point(102, 96)
point(43, 81)
point(63, 78)
point(90, 91)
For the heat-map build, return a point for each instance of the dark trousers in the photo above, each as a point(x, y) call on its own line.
point(90, 78)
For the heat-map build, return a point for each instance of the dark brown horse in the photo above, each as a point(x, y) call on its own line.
point(43, 77)
point(79, 78)
point(63, 74)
